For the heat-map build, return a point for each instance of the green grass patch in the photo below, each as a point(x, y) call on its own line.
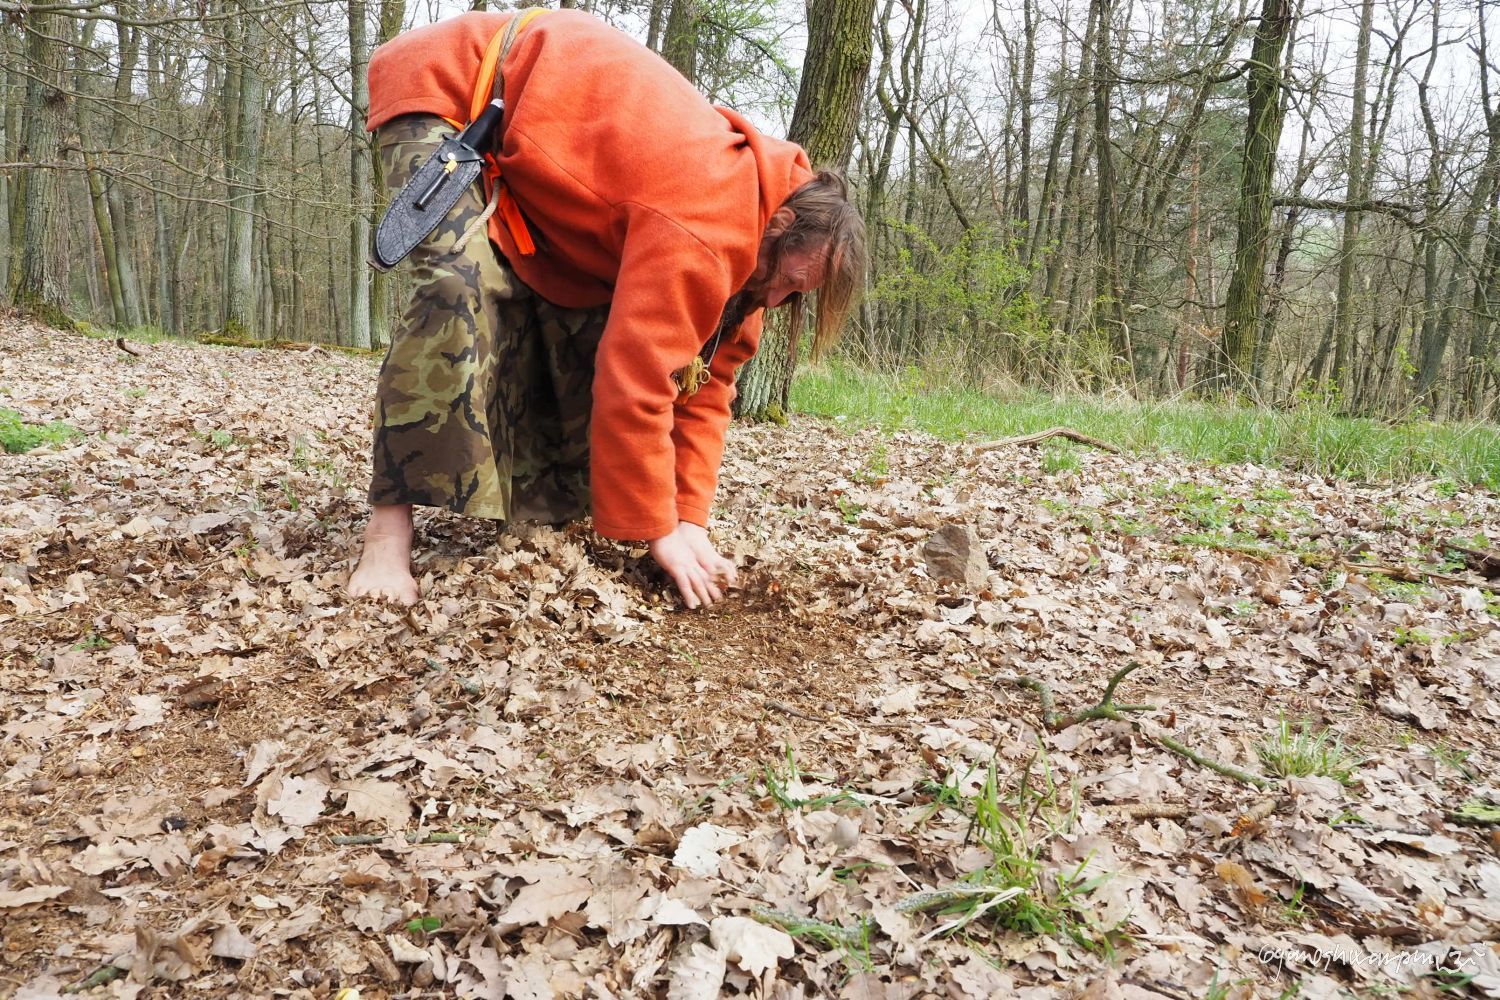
point(18, 437)
point(1305, 753)
point(785, 786)
point(1018, 890)
point(1311, 438)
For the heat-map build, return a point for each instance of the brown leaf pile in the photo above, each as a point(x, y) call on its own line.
point(220, 777)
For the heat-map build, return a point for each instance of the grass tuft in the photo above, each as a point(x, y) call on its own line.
point(1304, 753)
point(1017, 891)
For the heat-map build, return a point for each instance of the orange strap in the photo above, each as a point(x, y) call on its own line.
point(484, 85)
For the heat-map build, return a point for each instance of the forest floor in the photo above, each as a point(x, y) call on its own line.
point(558, 784)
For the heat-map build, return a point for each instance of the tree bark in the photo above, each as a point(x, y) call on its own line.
point(41, 284)
point(1109, 305)
point(382, 283)
point(359, 179)
point(1244, 303)
point(680, 39)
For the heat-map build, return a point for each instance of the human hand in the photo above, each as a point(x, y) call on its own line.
point(689, 558)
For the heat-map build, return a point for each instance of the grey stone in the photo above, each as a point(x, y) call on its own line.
point(954, 553)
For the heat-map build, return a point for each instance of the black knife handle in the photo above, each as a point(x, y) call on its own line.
point(477, 136)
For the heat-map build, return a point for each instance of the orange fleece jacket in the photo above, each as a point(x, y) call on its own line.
point(640, 194)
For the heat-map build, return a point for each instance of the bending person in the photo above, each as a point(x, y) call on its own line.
point(583, 356)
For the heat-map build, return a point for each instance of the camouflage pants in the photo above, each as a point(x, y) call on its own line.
point(484, 397)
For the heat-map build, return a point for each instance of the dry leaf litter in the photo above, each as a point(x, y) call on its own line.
point(221, 777)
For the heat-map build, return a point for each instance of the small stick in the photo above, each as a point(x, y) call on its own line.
point(435, 837)
point(1148, 810)
point(789, 710)
point(1051, 432)
point(1411, 575)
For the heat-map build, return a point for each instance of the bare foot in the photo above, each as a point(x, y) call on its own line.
point(384, 569)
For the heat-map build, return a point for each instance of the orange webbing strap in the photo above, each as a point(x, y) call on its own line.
point(491, 81)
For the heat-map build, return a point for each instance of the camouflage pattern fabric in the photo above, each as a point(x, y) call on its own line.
point(484, 398)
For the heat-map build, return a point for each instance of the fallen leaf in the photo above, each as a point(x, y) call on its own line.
point(751, 945)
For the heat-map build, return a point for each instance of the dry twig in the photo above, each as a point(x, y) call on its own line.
point(1051, 432)
point(1107, 709)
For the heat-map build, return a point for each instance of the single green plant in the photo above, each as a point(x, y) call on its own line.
point(18, 437)
point(92, 642)
point(424, 925)
point(1221, 991)
point(1455, 758)
point(1305, 753)
point(136, 391)
point(877, 466)
point(1446, 488)
point(1295, 910)
point(849, 510)
point(1414, 636)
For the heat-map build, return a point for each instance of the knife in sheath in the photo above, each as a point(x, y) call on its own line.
point(427, 198)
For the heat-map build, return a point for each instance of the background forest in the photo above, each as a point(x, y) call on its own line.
point(1290, 199)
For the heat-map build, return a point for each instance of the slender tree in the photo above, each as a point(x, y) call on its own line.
point(1266, 111)
point(360, 176)
point(839, 49)
point(41, 282)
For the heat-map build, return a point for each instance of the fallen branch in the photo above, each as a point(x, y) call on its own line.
point(1485, 562)
point(1410, 575)
point(1107, 709)
point(120, 343)
point(1052, 432)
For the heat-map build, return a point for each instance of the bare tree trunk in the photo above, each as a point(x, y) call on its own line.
point(7, 58)
point(680, 44)
point(1433, 342)
point(1109, 305)
point(123, 228)
point(1242, 309)
point(382, 283)
point(244, 173)
point(359, 179)
point(1343, 310)
point(41, 284)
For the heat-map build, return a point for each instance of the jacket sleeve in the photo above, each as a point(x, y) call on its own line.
point(701, 420)
point(667, 300)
